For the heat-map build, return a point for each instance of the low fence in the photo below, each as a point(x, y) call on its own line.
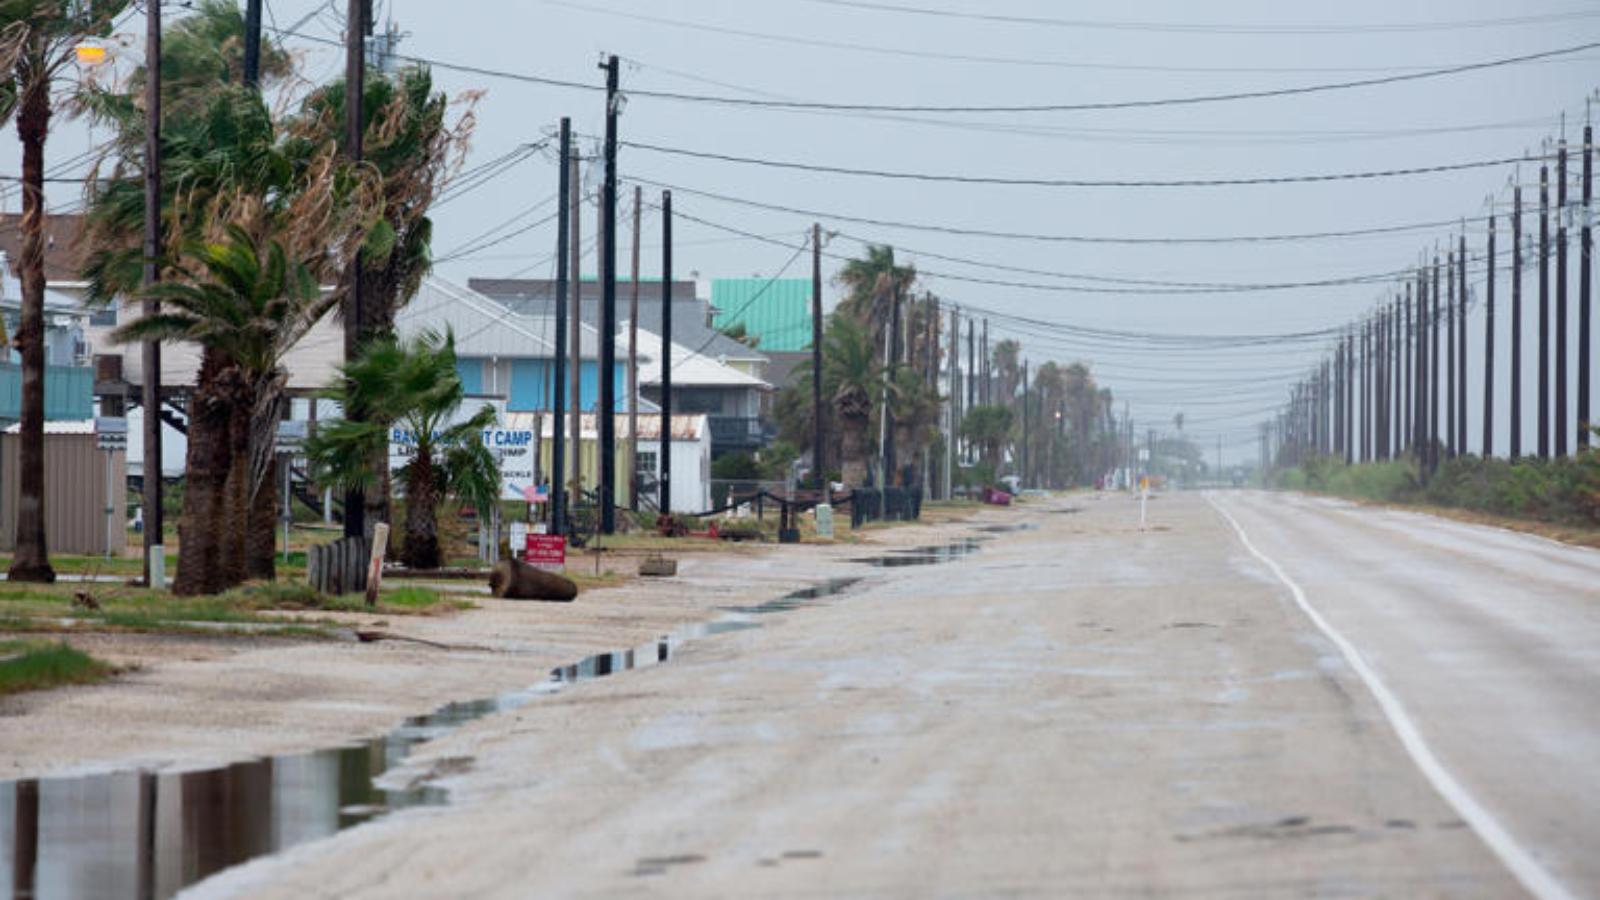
point(897, 504)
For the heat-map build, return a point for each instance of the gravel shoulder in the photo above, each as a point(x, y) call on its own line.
point(189, 702)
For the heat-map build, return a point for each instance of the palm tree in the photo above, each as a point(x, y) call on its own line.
point(1007, 356)
point(849, 377)
point(37, 41)
point(989, 427)
point(246, 306)
point(872, 283)
point(413, 150)
point(411, 387)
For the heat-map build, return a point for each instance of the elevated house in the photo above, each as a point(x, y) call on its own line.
point(736, 406)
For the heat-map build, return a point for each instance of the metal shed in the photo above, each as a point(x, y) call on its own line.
point(75, 491)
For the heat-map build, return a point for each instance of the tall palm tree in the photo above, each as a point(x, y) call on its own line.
point(850, 375)
point(246, 305)
point(412, 148)
point(410, 386)
point(37, 43)
point(872, 284)
point(1007, 356)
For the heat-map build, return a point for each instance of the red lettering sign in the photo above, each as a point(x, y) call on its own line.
point(547, 551)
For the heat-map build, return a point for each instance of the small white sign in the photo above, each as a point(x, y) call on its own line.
point(111, 433)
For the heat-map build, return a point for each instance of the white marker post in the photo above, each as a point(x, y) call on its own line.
point(1144, 495)
point(380, 544)
point(111, 435)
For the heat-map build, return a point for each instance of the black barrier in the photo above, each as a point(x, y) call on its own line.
point(901, 504)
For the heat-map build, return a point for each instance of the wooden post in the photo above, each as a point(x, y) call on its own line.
point(380, 543)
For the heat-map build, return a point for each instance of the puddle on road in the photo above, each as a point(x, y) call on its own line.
point(924, 556)
point(1010, 529)
point(149, 835)
point(736, 618)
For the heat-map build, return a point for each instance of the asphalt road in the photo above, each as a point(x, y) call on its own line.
point(1081, 709)
point(1488, 642)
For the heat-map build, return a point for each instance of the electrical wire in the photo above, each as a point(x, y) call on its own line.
point(993, 180)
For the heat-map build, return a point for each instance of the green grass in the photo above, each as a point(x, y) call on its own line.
point(32, 665)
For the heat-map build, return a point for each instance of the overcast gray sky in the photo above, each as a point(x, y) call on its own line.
point(795, 49)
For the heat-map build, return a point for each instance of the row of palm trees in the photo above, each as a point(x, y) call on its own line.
point(261, 211)
point(881, 356)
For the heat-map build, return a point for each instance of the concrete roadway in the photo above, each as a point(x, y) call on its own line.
point(1077, 710)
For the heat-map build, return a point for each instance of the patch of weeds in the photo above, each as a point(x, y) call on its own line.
point(34, 665)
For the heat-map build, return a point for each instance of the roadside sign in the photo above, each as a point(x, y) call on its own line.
point(111, 433)
point(519, 537)
point(546, 551)
point(291, 436)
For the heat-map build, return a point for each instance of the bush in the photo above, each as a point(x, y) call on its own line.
point(1564, 491)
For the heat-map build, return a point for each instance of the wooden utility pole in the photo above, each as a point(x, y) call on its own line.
point(1560, 423)
point(1026, 455)
point(819, 443)
point(574, 215)
point(252, 44)
point(633, 359)
point(1450, 353)
point(608, 312)
point(1585, 273)
point(558, 418)
point(1461, 346)
point(665, 455)
point(355, 67)
point(953, 436)
point(1516, 322)
point(1544, 312)
point(1488, 349)
point(150, 351)
point(1433, 375)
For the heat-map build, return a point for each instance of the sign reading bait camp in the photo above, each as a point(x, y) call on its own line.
point(514, 448)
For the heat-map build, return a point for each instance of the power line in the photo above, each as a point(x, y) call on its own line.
point(1062, 238)
point(1369, 175)
point(985, 109)
point(1201, 28)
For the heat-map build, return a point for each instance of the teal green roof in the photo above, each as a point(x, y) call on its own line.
point(778, 311)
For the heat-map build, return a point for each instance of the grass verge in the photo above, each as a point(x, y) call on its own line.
point(33, 665)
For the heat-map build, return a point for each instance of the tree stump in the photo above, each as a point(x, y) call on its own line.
point(514, 580)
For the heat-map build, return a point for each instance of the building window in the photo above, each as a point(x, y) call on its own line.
point(647, 461)
point(104, 318)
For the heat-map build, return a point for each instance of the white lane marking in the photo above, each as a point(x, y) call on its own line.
point(1523, 866)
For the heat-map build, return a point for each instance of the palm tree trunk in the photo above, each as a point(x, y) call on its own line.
point(201, 527)
point(235, 523)
point(32, 559)
point(261, 540)
point(853, 464)
point(421, 548)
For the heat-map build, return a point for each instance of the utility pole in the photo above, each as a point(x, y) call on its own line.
point(1544, 312)
point(954, 388)
point(1397, 370)
point(150, 351)
point(972, 363)
point(1461, 347)
point(1488, 349)
point(664, 501)
point(1407, 376)
point(1433, 375)
point(1561, 299)
point(1026, 456)
point(252, 44)
point(633, 359)
point(1419, 401)
point(891, 463)
point(1585, 273)
point(574, 215)
point(558, 449)
point(1349, 399)
point(608, 313)
point(355, 67)
point(1450, 353)
point(819, 443)
point(989, 386)
point(1516, 323)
